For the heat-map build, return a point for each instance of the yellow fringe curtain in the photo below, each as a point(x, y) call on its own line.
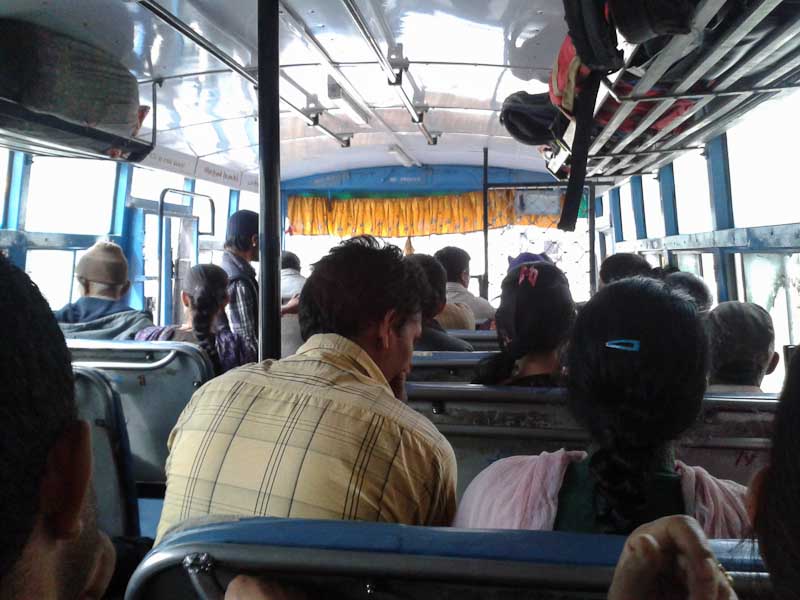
point(401, 217)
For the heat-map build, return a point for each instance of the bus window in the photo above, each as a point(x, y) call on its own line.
point(52, 270)
point(248, 201)
point(68, 195)
point(690, 262)
point(148, 184)
point(221, 196)
point(772, 281)
point(762, 173)
point(692, 194)
point(5, 157)
point(626, 208)
point(654, 216)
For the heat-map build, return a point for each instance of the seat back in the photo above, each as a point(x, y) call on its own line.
point(445, 366)
point(341, 559)
point(155, 381)
point(99, 404)
point(485, 423)
point(482, 341)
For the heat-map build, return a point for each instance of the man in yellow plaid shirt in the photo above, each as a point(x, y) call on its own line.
point(324, 433)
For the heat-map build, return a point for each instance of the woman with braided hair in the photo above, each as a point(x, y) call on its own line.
point(204, 297)
point(534, 321)
point(636, 375)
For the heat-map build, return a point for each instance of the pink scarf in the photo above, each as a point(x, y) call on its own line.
point(521, 492)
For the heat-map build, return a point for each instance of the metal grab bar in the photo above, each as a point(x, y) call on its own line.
point(127, 366)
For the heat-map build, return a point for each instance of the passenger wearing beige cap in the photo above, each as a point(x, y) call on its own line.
point(102, 312)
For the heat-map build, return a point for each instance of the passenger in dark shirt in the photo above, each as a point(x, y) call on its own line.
point(205, 296)
point(533, 323)
point(434, 337)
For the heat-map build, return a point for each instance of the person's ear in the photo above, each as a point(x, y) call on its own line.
point(465, 278)
point(66, 481)
point(125, 288)
point(224, 304)
point(185, 299)
point(385, 327)
point(84, 286)
point(773, 363)
point(254, 241)
point(754, 491)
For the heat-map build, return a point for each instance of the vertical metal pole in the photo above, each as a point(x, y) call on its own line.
point(269, 180)
point(485, 286)
point(592, 237)
point(616, 216)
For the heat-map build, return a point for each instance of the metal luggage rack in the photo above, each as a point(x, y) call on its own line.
point(717, 105)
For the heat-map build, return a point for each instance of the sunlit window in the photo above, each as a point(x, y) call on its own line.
point(149, 183)
point(692, 194)
point(68, 195)
point(626, 208)
point(773, 281)
point(653, 213)
point(52, 271)
point(763, 164)
point(248, 201)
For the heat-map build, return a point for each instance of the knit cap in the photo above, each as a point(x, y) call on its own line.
point(103, 263)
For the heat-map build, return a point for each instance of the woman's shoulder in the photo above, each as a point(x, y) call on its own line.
point(501, 496)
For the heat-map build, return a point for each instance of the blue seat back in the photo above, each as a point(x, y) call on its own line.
point(155, 381)
point(485, 423)
point(481, 340)
point(355, 560)
point(445, 366)
point(112, 477)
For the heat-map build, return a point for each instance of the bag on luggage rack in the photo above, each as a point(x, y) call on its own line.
point(589, 53)
point(48, 74)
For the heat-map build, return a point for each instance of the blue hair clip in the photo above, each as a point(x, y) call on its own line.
point(626, 345)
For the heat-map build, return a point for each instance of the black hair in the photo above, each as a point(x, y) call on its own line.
point(242, 226)
point(663, 272)
point(436, 296)
point(692, 285)
point(623, 265)
point(37, 405)
point(634, 402)
point(355, 285)
point(454, 260)
point(290, 260)
point(536, 315)
point(777, 520)
point(206, 287)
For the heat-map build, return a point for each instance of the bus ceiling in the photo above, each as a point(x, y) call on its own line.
point(367, 83)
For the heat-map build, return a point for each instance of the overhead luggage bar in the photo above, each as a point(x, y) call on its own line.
point(177, 24)
point(724, 87)
point(723, 46)
point(706, 11)
point(394, 73)
point(297, 27)
point(716, 118)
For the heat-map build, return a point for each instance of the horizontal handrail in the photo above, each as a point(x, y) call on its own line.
point(128, 366)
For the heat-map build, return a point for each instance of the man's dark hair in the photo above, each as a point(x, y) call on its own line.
point(242, 226)
point(454, 260)
point(290, 260)
point(436, 296)
point(624, 265)
point(692, 285)
point(355, 285)
point(36, 406)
